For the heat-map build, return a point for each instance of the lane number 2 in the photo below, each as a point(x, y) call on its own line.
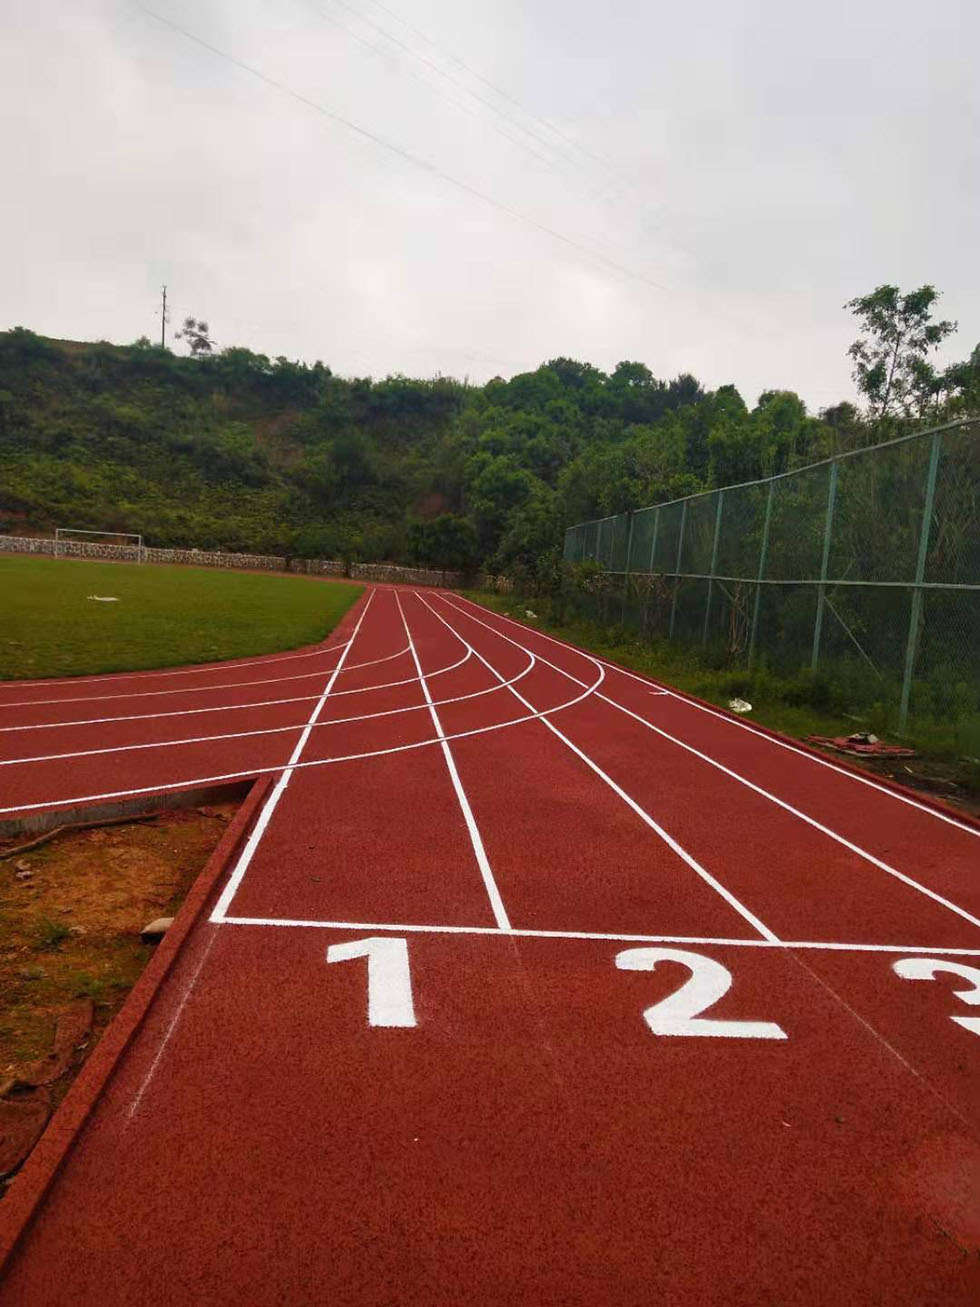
point(680, 1013)
point(389, 979)
point(927, 968)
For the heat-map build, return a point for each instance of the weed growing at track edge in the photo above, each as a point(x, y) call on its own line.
point(162, 617)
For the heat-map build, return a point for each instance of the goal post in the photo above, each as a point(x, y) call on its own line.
point(64, 536)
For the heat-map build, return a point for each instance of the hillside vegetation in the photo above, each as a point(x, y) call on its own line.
point(246, 453)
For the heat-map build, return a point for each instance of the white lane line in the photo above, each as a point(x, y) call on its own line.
point(479, 852)
point(706, 940)
point(745, 726)
point(644, 816)
point(751, 785)
point(144, 1085)
point(251, 772)
point(200, 689)
point(802, 753)
point(236, 707)
point(275, 730)
point(271, 803)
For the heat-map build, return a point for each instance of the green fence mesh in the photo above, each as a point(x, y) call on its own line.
point(865, 567)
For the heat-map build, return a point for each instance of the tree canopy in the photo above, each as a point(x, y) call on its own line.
point(233, 449)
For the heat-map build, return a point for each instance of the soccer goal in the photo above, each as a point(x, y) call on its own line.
point(128, 543)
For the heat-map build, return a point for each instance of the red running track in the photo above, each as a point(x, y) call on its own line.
point(534, 982)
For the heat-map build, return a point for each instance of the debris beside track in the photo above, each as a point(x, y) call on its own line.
point(72, 908)
point(862, 744)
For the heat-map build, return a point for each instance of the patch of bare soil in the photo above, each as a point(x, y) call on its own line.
point(71, 912)
point(953, 782)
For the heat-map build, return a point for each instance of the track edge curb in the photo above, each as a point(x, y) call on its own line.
point(31, 1185)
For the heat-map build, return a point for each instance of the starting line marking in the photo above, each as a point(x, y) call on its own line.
point(403, 928)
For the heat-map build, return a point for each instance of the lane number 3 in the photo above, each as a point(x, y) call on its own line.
point(927, 969)
point(389, 980)
point(680, 1012)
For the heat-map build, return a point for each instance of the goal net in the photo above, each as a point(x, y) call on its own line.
point(79, 542)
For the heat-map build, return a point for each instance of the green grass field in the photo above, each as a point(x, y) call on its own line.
point(163, 617)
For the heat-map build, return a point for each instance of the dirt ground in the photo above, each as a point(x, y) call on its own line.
point(71, 912)
point(953, 782)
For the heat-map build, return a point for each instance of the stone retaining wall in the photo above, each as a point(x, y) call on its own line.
point(216, 558)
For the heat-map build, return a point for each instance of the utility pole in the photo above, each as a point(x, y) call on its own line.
point(163, 321)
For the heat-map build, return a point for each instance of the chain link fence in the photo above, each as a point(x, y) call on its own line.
point(864, 568)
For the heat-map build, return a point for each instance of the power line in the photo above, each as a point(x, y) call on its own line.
point(615, 173)
point(458, 103)
point(453, 81)
point(505, 95)
point(423, 164)
point(377, 50)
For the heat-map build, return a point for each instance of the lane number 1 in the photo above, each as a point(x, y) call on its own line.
point(389, 979)
point(680, 1013)
point(927, 968)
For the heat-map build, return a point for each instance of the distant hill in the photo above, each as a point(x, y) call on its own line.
point(247, 453)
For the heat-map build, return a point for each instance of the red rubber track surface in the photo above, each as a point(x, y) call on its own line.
point(269, 1135)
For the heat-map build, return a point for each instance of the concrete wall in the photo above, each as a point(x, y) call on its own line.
point(215, 558)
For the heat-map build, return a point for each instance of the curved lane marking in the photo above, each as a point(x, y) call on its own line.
point(674, 845)
point(279, 730)
point(743, 780)
point(731, 721)
point(229, 707)
point(200, 689)
point(317, 762)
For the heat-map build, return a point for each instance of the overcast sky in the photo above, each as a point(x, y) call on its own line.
point(698, 186)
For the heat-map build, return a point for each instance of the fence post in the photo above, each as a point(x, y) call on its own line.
point(626, 573)
point(653, 553)
point(677, 568)
point(825, 559)
point(915, 608)
point(763, 556)
point(714, 564)
point(653, 542)
point(598, 542)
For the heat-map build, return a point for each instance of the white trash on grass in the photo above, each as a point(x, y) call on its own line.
point(739, 705)
point(105, 599)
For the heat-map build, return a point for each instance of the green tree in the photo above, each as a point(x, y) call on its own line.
point(446, 541)
point(196, 333)
point(960, 384)
point(891, 364)
point(498, 486)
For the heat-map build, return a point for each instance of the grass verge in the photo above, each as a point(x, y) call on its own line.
point(783, 704)
point(160, 617)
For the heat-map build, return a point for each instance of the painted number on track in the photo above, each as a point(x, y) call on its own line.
point(926, 969)
point(389, 979)
point(680, 1013)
